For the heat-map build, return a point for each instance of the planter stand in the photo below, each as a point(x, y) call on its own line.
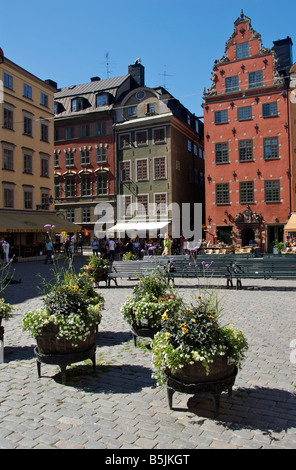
point(143, 331)
point(63, 360)
point(215, 387)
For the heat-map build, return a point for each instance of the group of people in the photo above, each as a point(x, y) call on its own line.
point(111, 249)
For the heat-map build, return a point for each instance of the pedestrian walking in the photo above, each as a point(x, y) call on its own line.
point(48, 248)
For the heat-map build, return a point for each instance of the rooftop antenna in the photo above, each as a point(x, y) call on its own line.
point(165, 75)
point(107, 64)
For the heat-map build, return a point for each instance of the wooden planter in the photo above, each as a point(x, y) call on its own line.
point(60, 351)
point(144, 329)
point(193, 379)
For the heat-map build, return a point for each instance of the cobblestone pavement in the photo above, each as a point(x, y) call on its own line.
point(119, 405)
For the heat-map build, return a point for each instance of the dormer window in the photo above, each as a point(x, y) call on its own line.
point(77, 104)
point(102, 100)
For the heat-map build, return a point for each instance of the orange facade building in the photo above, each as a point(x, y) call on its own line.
point(247, 152)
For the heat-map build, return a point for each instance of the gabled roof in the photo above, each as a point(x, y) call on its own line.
point(91, 87)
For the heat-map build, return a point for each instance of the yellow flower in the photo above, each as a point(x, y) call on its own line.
point(184, 330)
point(193, 320)
point(164, 316)
point(198, 297)
point(167, 335)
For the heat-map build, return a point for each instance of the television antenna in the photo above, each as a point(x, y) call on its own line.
point(107, 64)
point(165, 75)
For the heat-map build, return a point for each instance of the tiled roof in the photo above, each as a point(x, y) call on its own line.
point(91, 87)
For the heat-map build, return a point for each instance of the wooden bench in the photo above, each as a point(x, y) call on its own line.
point(273, 268)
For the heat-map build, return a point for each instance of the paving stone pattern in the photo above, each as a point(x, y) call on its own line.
point(119, 405)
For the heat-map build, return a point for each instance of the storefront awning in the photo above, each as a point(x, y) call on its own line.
point(142, 229)
point(291, 224)
point(35, 222)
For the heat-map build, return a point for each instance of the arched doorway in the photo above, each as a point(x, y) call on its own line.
point(247, 235)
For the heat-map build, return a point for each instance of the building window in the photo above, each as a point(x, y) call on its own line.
point(27, 91)
point(86, 185)
point(189, 145)
point(101, 128)
point(101, 155)
point(70, 187)
point(102, 184)
point(69, 159)
point(132, 111)
point(125, 206)
point(142, 170)
point(231, 83)
point(44, 132)
point(269, 109)
point(77, 104)
point(141, 138)
point(102, 100)
point(221, 152)
point(245, 149)
point(44, 170)
point(124, 141)
point(28, 199)
point(255, 79)
point(8, 159)
point(142, 204)
point(161, 204)
point(85, 157)
point(70, 215)
point(85, 215)
point(159, 168)
point(272, 191)
point(244, 113)
point(242, 50)
point(28, 163)
point(221, 116)
point(85, 130)
point(150, 108)
point(125, 171)
point(8, 81)
point(8, 197)
point(159, 135)
point(45, 201)
point(28, 125)
point(57, 188)
point(246, 192)
point(271, 148)
point(44, 99)
point(56, 160)
point(222, 193)
point(69, 133)
point(7, 118)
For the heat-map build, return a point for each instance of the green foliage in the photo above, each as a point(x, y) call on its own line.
point(72, 304)
point(5, 310)
point(129, 256)
point(96, 262)
point(194, 334)
point(152, 297)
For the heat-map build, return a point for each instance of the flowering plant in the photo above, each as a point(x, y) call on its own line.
point(194, 334)
point(72, 304)
point(152, 299)
point(5, 310)
point(96, 262)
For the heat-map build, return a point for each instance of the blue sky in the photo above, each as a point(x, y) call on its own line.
point(68, 40)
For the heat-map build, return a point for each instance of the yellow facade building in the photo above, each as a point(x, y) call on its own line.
point(27, 156)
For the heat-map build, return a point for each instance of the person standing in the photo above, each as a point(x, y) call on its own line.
point(111, 250)
point(95, 247)
point(5, 247)
point(167, 244)
point(48, 248)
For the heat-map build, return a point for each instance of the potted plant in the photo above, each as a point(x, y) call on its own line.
point(97, 268)
point(278, 246)
point(65, 326)
point(193, 352)
point(152, 298)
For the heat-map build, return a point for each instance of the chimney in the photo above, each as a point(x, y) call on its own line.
point(51, 83)
point(95, 79)
point(137, 73)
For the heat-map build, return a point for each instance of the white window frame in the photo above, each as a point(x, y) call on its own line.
point(136, 169)
point(166, 168)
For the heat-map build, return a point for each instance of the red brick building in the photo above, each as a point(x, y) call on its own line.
point(247, 154)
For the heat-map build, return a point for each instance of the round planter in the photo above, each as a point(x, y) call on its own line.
point(193, 379)
point(60, 351)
